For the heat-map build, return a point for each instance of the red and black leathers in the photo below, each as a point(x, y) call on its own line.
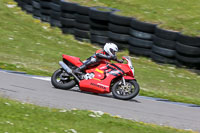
point(95, 59)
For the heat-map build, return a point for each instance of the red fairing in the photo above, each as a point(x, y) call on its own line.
point(95, 86)
point(126, 69)
point(128, 78)
point(74, 60)
point(100, 83)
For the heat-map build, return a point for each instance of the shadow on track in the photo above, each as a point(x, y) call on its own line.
point(96, 94)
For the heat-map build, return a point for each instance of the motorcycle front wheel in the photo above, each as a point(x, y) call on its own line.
point(127, 91)
point(61, 80)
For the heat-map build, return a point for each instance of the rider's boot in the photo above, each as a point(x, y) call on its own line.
point(79, 69)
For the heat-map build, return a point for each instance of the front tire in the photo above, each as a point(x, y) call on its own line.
point(61, 80)
point(125, 92)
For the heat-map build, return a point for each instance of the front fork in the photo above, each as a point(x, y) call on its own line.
point(124, 78)
point(124, 82)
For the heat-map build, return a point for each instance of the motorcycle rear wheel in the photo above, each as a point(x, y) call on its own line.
point(61, 80)
point(125, 92)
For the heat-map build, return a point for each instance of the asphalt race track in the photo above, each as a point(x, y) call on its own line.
point(40, 92)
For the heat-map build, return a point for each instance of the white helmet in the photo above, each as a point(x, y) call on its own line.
point(110, 49)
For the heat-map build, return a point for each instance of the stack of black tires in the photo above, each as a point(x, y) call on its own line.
point(188, 51)
point(163, 50)
point(101, 25)
point(119, 27)
point(82, 26)
point(18, 3)
point(45, 10)
point(55, 13)
point(22, 4)
point(28, 6)
point(68, 12)
point(99, 20)
point(36, 9)
point(141, 37)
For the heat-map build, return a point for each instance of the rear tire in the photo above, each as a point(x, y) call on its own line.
point(61, 80)
point(122, 92)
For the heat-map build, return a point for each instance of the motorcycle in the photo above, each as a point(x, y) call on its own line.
point(105, 77)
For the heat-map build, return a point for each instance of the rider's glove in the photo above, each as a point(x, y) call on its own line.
point(120, 61)
point(114, 58)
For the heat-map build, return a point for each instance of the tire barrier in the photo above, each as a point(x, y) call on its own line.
point(68, 12)
point(36, 9)
point(28, 6)
point(45, 10)
point(141, 37)
point(164, 46)
point(99, 25)
point(99, 22)
point(82, 24)
point(119, 27)
point(55, 13)
point(188, 51)
point(22, 4)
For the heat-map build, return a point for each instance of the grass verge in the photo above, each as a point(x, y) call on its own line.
point(29, 45)
point(19, 117)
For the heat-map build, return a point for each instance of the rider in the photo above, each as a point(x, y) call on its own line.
point(107, 53)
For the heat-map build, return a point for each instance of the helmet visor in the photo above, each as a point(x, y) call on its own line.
point(112, 51)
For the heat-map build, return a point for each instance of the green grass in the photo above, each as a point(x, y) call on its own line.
point(167, 81)
point(28, 45)
point(16, 117)
point(178, 15)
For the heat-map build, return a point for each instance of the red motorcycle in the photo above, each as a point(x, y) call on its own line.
point(106, 77)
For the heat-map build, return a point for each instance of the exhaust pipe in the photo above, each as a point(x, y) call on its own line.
point(68, 70)
point(65, 67)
